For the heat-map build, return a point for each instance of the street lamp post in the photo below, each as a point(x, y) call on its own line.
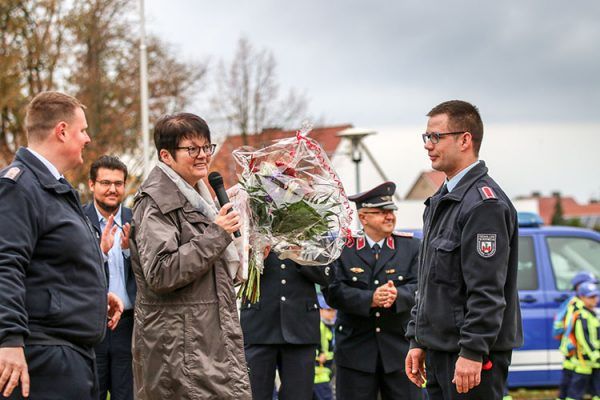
point(356, 135)
point(144, 91)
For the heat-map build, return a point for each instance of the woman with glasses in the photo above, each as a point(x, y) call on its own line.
point(187, 338)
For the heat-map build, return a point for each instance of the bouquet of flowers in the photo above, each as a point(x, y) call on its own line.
point(295, 204)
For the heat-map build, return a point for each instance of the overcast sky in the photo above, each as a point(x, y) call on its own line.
point(384, 64)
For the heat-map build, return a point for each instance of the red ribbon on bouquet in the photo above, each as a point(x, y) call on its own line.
point(313, 145)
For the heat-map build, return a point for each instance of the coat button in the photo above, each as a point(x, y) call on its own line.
point(315, 306)
point(282, 298)
point(400, 278)
point(282, 266)
point(378, 314)
point(340, 328)
point(376, 282)
point(354, 279)
point(378, 329)
point(283, 282)
point(249, 305)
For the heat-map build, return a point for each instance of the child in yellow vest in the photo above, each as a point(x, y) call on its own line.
point(585, 344)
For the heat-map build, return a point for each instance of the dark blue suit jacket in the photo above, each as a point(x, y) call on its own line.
point(126, 215)
point(287, 311)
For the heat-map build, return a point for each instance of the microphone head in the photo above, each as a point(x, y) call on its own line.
point(215, 179)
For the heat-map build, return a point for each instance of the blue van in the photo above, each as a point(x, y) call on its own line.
point(549, 257)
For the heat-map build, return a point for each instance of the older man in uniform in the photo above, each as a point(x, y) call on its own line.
point(373, 291)
point(53, 291)
point(467, 318)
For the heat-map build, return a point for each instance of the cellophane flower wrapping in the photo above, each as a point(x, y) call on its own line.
point(295, 204)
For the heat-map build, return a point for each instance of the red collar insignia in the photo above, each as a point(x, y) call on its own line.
point(360, 243)
point(390, 242)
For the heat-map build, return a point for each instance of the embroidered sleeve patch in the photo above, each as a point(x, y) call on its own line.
point(12, 174)
point(486, 244)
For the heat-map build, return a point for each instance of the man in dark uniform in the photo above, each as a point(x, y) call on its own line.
point(281, 330)
point(373, 290)
point(53, 292)
point(467, 319)
point(108, 176)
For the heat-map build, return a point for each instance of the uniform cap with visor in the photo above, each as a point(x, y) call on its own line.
point(381, 196)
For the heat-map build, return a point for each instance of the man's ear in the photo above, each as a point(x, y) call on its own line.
point(91, 185)
point(59, 131)
point(466, 141)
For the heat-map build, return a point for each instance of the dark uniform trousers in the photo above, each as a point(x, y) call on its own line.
point(52, 367)
point(295, 364)
point(440, 372)
point(281, 331)
point(358, 385)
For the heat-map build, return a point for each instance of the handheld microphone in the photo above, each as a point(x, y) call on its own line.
point(216, 182)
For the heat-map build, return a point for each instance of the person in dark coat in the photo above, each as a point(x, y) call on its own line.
point(53, 290)
point(467, 318)
point(108, 176)
point(281, 330)
point(373, 290)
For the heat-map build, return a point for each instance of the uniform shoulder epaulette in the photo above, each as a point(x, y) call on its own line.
point(487, 193)
point(12, 173)
point(404, 234)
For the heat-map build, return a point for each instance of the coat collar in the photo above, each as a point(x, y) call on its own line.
point(163, 191)
point(41, 172)
point(459, 191)
point(167, 196)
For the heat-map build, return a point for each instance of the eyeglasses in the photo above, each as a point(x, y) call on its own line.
point(380, 212)
point(194, 151)
point(434, 137)
point(108, 184)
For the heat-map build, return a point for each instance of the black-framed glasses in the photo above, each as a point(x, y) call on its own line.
point(194, 151)
point(434, 137)
point(107, 184)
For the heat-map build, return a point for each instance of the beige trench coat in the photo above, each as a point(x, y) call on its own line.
point(187, 340)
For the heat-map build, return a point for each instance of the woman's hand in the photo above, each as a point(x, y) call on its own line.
point(230, 222)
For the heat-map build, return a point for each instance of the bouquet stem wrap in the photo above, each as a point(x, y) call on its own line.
point(294, 203)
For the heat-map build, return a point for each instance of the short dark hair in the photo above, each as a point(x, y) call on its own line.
point(170, 130)
point(462, 116)
point(46, 110)
point(107, 162)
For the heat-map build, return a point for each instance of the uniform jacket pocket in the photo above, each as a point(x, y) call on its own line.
point(446, 260)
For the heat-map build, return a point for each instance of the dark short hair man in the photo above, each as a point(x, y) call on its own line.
point(108, 176)
point(53, 291)
point(373, 290)
point(467, 318)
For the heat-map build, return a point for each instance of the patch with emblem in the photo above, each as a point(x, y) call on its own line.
point(390, 271)
point(12, 173)
point(357, 270)
point(486, 244)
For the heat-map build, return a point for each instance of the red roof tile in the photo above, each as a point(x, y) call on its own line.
point(571, 209)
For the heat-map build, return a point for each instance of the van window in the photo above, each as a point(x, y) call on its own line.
point(527, 276)
point(570, 255)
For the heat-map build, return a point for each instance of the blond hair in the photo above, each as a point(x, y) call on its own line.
point(46, 110)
